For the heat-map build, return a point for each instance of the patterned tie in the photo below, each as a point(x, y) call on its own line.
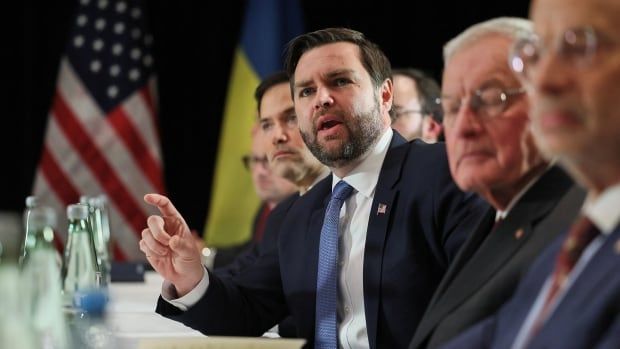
point(325, 335)
point(579, 237)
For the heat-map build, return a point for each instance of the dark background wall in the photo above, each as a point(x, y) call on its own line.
point(194, 43)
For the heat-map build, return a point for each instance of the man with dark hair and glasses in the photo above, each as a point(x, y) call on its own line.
point(491, 152)
point(415, 113)
point(570, 297)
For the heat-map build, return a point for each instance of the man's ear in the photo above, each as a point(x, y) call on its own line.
point(387, 95)
point(431, 129)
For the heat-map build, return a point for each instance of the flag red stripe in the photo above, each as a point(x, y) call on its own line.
point(90, 154)
point(138, 149)
point(57, 178)
point(117, 252)
point(65, 191)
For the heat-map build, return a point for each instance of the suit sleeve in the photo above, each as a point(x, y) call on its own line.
point(268, 243)
point(244, 299)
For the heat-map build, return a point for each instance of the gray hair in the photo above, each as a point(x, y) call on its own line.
point(510, 27)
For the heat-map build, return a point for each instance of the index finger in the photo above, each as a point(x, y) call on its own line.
point(164, 204)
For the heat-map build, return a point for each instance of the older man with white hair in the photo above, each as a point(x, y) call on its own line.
point(491, 152)
point(570, 297)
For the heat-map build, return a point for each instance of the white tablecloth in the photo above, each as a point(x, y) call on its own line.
point(133, 323)
point(131, 313)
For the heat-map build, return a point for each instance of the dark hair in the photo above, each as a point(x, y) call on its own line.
point(428, 90)
point(372, 57)
point(267, 83)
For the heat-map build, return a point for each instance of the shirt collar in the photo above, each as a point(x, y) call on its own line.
point(502, 214)
point(365, 176)
point(603, 210)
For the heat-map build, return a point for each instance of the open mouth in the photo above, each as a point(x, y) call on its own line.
point(327, 124)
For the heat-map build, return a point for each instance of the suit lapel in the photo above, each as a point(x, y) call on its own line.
point(496, 249)
point(385, 196)
point(468, 249)
point(436, 311)
point(593, 280)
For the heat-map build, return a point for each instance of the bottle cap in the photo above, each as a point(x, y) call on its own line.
point(103, 199)
point(32, 201)
point(41, 217)
point(77, 211)
point(94, 202)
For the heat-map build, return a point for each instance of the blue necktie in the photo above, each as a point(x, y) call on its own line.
point(325, 335)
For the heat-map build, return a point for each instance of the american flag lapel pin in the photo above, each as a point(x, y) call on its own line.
point(381, 209)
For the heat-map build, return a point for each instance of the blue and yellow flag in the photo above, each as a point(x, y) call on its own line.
point(267, 27)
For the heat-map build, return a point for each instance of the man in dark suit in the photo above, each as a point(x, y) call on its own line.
point(491, 152)
point(287, 156)
point(397, 230)
point(570, 297)
point(278, 154)
point(270, 187)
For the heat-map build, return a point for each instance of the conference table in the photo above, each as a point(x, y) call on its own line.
point(133, 324)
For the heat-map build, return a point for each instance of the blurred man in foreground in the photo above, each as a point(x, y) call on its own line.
point(570, 298)
point(491, 152)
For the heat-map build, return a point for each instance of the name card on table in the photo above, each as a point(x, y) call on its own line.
point(215, 342)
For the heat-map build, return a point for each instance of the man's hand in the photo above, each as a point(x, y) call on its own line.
point(169, 246)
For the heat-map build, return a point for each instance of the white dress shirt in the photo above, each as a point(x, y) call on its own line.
point(354, 216)
point(603, 212)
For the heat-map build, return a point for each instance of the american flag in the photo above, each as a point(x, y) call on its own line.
point(102, 132)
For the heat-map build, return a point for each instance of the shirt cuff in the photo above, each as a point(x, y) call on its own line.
point(169, 294)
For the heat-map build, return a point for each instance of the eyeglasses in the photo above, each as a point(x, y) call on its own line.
point(575, 47)
point(486, 102)
point(249, 161)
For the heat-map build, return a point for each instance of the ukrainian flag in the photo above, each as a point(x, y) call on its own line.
point(267, 27)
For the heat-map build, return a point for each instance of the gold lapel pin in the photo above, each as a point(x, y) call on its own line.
point(617, 246)
point(519, 234)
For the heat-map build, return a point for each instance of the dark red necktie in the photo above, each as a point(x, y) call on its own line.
point(579, 237)
point(261, 222)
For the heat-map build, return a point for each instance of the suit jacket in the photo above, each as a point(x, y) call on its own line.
point(253, 249)
point(587, 317)
point(488, 268)
point(408, 248)
point(227, 255)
